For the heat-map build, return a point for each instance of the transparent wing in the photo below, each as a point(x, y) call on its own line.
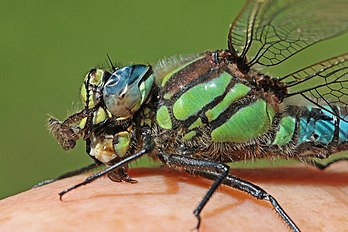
point(323, 84)
point(271, 31)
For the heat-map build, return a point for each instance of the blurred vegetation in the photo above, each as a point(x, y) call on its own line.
point(47, 47)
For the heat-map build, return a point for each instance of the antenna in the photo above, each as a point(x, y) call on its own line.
point(110, 61)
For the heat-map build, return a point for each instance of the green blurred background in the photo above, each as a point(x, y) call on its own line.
point(47, 47)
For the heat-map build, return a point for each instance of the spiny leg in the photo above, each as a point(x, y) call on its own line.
point(251, 189)
point(191, 164)
point(148, 147)
point(105, 171)
point(68, 174)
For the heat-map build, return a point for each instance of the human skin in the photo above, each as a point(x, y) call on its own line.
point(163, 200)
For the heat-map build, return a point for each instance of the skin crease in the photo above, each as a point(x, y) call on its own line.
point(164, 200)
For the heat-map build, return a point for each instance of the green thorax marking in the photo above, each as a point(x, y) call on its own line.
point(236, 92)
point(246, 124)
point(190, 135)
point(197, 97)
point(163, 118)
point(197, 123)
point(173, 82)
point(286, 131)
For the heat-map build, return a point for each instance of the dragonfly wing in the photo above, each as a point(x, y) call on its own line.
point(271, 31)
point(324, 83)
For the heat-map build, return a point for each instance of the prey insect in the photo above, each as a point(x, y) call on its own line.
point(197, 113)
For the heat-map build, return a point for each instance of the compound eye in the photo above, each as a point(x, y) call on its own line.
point(122, 92)
point(117, 81)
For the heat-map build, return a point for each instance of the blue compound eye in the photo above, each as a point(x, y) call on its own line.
point(126, 89)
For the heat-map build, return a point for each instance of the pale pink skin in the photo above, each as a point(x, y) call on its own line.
point(164, 200)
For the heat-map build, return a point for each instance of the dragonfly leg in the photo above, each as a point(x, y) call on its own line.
point(68, 174)
point(190, 165)
point(147, 148)
point(251, 189)
point(121, 175)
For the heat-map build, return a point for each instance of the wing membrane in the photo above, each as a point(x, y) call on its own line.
point(324, 83)
point(271, 31)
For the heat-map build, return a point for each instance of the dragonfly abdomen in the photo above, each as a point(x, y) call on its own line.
point(321, 126)
point(311, 130)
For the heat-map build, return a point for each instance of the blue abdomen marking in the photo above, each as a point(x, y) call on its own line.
point(319, 126)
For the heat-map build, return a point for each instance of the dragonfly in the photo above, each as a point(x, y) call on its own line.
point(200, 112)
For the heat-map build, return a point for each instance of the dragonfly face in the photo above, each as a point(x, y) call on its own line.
point(197, 113)
point(121, 92)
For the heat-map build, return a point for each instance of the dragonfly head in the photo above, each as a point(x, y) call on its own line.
point(127, 89)
point(121, 92)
